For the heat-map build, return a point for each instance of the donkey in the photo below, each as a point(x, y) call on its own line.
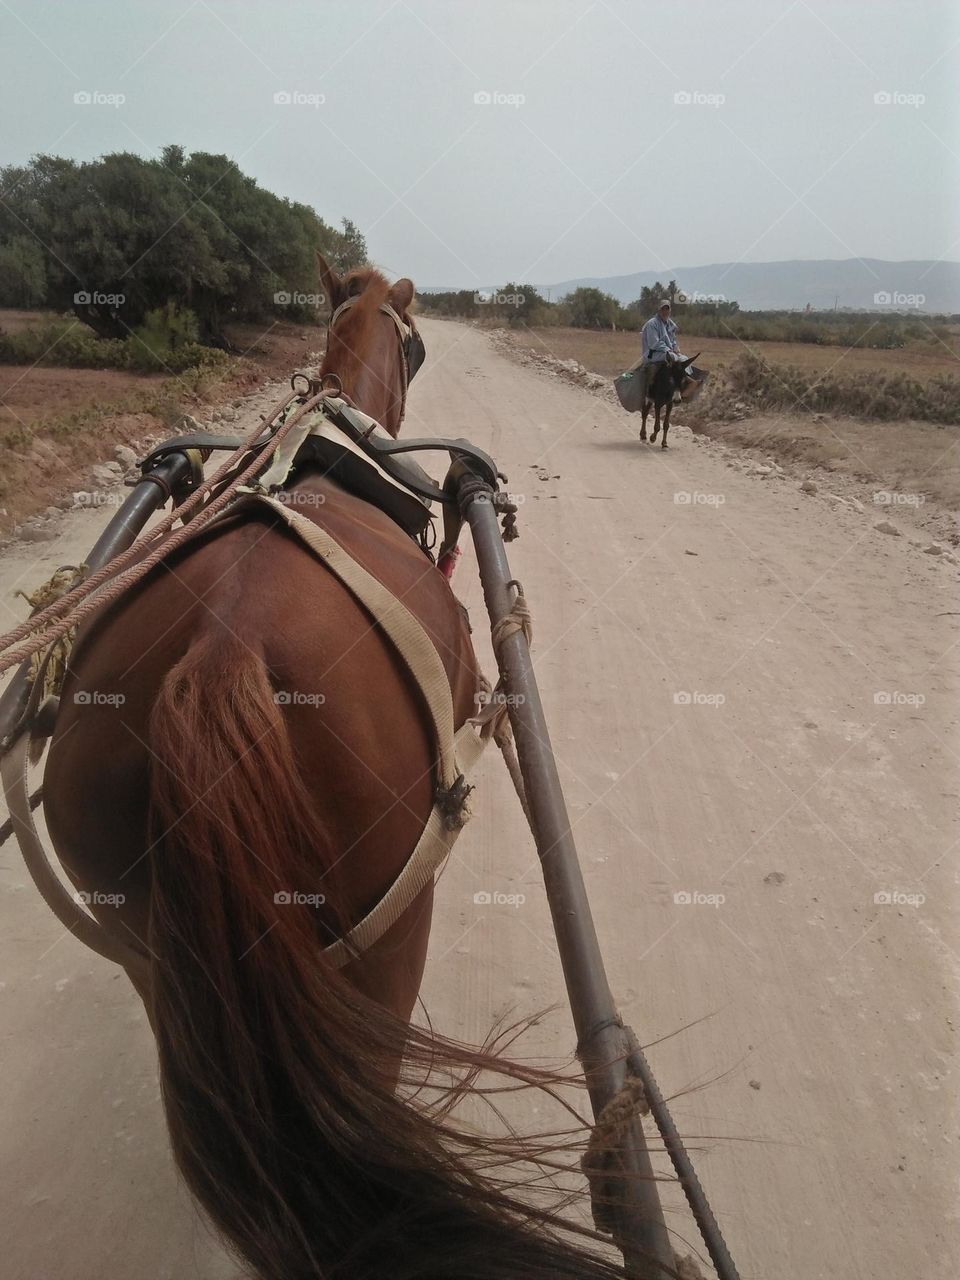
point(669, 380)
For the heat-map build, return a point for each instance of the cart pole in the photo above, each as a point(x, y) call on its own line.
point(641, 1232)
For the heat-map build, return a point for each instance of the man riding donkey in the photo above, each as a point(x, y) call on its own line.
point(662, 370)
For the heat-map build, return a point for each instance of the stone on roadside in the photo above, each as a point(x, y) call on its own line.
point(884, 526)
point(934, 549)
point(808, 486)
point(125, 456)
point(36, 533)
point(106, 474)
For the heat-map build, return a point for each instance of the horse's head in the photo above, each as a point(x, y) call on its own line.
point(689, 379)
point(373, 346)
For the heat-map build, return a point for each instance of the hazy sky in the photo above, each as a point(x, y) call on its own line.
point(584, 162)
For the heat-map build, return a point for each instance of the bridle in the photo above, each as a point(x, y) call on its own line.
point(412, 350)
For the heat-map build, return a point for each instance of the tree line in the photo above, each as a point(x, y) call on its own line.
point(583, 308)
point(121, 239)
point(697, 315)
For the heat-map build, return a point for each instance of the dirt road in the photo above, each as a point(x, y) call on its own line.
point(753, 697)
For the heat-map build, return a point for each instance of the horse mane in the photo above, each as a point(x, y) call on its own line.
point(369, 285)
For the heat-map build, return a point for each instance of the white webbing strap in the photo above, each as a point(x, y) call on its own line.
point(67, 908)
point(421, 867)
point(457, 752)
point(411, 641)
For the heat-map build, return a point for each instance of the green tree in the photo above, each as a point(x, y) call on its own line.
point(591, 308)
point(23, 281)
point(122, 236)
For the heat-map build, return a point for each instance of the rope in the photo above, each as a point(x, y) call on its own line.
point(606, 1142)
point(518, 619)
point(65, 613)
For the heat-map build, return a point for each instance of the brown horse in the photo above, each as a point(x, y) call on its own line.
point(241, 767)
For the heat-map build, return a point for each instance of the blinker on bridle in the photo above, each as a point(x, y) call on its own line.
point(412, 350)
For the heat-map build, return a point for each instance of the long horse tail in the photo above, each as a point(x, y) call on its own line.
point(278, 1076)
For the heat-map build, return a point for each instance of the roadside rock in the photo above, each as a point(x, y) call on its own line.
point(884, 526)
point(808, 486)
point(125, 456)
point(106, 474)
point(934, 549)
point(36, 533)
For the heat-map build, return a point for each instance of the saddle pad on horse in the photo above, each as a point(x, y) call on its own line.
point(320, 441)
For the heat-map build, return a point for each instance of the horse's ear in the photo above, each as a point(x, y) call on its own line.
point(331, 282)
point(402, 295)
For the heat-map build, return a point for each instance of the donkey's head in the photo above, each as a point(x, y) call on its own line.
point(689, 379)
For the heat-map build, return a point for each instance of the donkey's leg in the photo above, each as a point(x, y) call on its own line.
point(643, 418)
point(656, 426)
point(666, 424)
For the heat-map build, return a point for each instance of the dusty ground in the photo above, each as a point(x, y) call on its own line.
point(752, 694)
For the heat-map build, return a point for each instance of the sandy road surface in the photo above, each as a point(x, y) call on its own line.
point(712, 672)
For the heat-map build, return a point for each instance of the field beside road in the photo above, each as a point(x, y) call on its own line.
point(56, 423)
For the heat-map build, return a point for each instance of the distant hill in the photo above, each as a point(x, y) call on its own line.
point(773, 286)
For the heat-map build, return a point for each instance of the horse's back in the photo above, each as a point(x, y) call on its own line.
point(357, 725)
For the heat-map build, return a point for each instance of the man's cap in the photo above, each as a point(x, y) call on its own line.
point(664, 302)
